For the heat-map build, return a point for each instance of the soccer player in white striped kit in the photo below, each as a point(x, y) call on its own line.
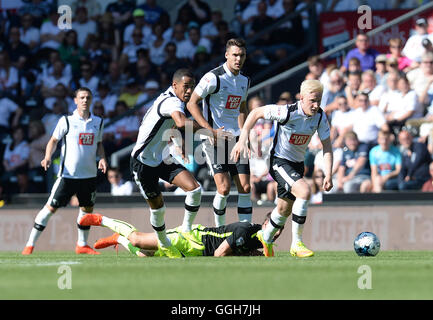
point(150, 159)
point(81, 135)
point(223, 92)
point(296, 124)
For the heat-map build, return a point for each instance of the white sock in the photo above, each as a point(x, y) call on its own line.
point(245, 207)
point(158, 224)
point(219, 208)
point(276, 222)
point(124, 242)
point(299, 215)
point(83, 231)
point(192, 204)
point(41, 221)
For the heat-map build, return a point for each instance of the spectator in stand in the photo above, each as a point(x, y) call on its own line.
point(157, 45)
point(201, 59)
point(342, 5)
point(106, 97)
point(49, 67)
point(152, 12)
point(291, 31)
point(315, 66)
point(50, 81)
point(140, 24)
point(72, 53)
point(219, 43)
point(119, 187)
point(88, 78)
point(413, 49)
point(391, 95)
point(342, 121)
point(145, 71)
point(109, 36)
point(28, 33)
point(275, 8)
point(316, 184)
point(129, 55)
point(177, 35)
point(122, 13)
point(368, 83)
point(124, 131)
point(381, 69)
point(415, 162)
point(352, 87)
point(115, 78)
point(405, 107)
point(84, 26)
point(18, 51)
point(15, 162)
point(9, 110)
point(428, 185)
point(93, 8)
point(354, 170)
point(187, 49)
point(209, 30)
point(335, 89)
point(8, 77)
point(363, 52)
point(131, 94)
point(369, 120)
point(420, 79)
point(50, 119)
point(98, 110)
point(404, 63)
point(171, 62)
point(37, 8)
point(197, 11)
point(385, 163)
point(38, 141)
point(241, 24)
point(59, 92)
point(51, 35)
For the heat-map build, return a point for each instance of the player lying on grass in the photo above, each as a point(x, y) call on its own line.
point(235, 239)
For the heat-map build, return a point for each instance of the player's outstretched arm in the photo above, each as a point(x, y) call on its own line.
point(51, 147)
point(223, 250)
point(241, 147)
point(328, 159)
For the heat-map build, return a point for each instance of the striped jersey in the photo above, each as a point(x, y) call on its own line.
point(294, 130)
point(154, 133)
point(80, 138)
point(222, 93)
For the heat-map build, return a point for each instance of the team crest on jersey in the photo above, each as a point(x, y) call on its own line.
point(299, 139)
point(233, 102)
point(86, 139)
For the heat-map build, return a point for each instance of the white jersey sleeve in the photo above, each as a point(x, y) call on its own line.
point(324, 130)
point(275, 112)
point(207, 85)
point(171, 105)
point(61, 129)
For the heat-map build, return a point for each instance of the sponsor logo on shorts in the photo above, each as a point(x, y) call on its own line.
point(86, 139)
point(233, 102)
point(299, 139)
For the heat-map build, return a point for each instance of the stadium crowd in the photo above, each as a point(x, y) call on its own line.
point(380, 104)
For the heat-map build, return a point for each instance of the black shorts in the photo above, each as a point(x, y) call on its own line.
point(285, 173)
point(218, 159)
point(147, 177)
point(64, 188)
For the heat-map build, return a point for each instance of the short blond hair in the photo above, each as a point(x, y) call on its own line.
point(309, 86)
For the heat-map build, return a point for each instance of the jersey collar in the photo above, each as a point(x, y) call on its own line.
point(227, 70)
point(76, 115)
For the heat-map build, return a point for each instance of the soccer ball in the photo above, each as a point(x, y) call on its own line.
point(366, 244)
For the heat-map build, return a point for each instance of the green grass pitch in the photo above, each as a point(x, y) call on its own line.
point(328, 275)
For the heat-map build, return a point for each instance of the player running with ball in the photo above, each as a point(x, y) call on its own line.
point(296, 124)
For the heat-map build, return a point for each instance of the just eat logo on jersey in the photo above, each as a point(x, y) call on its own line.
point(86, 139)
point(299, 139)
point(233, 102)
